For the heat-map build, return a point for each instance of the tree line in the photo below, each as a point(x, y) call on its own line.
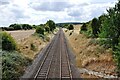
point(18, 27)
point(107, 28)
point(68, 26)
point(49, 26)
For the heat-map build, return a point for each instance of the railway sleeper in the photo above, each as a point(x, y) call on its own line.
point(65, 76)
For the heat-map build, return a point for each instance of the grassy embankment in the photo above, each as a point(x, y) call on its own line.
point(89, 54)
point(18, 53)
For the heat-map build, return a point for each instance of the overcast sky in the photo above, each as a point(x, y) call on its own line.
point(39, 11)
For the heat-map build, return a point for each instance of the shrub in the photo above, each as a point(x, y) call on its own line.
point(0, 40)
point(95, 27)
point(117, 57)
point(47, 29)
point(66, 30)
point(70, 33)
point(47, 39)
point(26, 26)
point(13, 64)
point(8, 43)
point(7, 28)
point(70, 27)
point(40, 30)
point(16, 26)
point(32, 47)
point(84, 27)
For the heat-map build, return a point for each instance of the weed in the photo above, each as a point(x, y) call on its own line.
point(32, 47)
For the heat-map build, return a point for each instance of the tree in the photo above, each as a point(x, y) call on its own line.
point(51, 25)
point(65, 25)
point(16, 26)
point(70, 27)
point(26, 26)
point(84, 27)
point(8, 43)
point(110, 26)
point(40, 30)
point(47, 29)
point(110, 29)
point(95, 27)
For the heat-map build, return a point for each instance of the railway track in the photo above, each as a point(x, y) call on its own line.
point(55, 63)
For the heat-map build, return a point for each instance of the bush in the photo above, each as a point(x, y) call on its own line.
point(70, 27)
point(95, 27)
point(8, 43)
point(84, 27)
point(47, 29)
point(0, 40)
point(47, 39)
point(16, 26)
point(7, 28)
point(19, 27)
point(13, 64)
point(117, 57)
point(70, 33)
point(66, 30)
point(32, 47)
point(40, 30)
point(26, 26)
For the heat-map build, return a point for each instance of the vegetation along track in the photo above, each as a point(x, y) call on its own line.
point(55, 63)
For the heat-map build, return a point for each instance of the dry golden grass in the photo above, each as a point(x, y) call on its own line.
point(19, 35)
point(25, 46)
point(88, 77)
point(24, 39)
point(87, 52)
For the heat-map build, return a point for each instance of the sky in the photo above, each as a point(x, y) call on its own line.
point(40, 11)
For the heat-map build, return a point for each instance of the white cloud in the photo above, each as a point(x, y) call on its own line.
point(87, 11)
point(39, 11)
point(50, 6)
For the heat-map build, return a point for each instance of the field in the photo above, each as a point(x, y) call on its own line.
point(20, 34)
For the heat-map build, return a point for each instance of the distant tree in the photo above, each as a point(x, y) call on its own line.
point(41, 25)
point(26, 26)
point(84, 27)
point(40, 30)
point(95, 27)
point(51, 25)
point(7, 28)
point(65, 25)
point(16, 26)
point(47, 29)
point(34, 26)
point(70, 27)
